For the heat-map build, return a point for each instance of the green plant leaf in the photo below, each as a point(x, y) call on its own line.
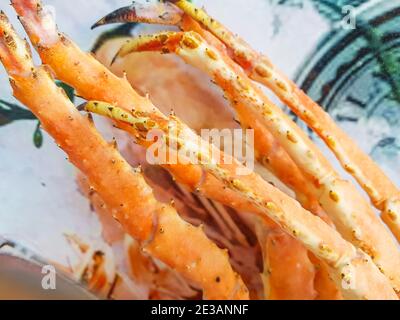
point(38, 137)
point(10, 112)
point(69, 91)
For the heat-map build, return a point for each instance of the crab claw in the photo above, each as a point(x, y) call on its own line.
point(162, 13)
point(164, 42)
point(37, 20)
point(15, 53)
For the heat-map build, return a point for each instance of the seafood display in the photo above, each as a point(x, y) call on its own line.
point(196, 221)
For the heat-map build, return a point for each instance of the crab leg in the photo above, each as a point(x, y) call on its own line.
point(298, 276)
point(277, 286)
point(161, 280)
point(83, 72)
point(150, 279)
point(112, 231)
point(269, 150)
point(291, 263)
point(93, 81)
point(346, 261)
point(383, 193)
point(156, 226)
point(381, 190)
point(162, 13)
point(272, 155)
point(350, 212)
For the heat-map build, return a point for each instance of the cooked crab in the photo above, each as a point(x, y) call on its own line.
point(321, 239)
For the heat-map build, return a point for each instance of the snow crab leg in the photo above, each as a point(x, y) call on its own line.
point(381, 190)
point(339, 198)
point(156, 226)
